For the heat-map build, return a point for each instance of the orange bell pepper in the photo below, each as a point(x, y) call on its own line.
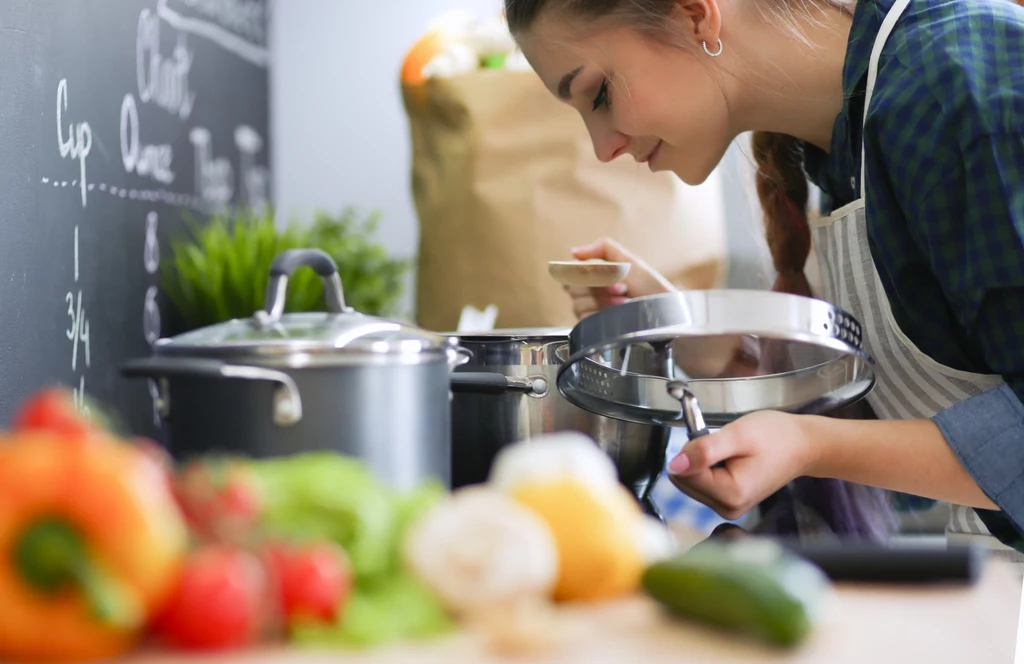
point(91, 544)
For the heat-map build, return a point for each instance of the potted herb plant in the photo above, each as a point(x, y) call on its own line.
point(218, 270)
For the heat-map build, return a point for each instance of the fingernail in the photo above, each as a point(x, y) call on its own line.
point(618, 300)
point(679, 465)
point(618, 289)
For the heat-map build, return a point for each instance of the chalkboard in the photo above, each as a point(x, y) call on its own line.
point(118, 120)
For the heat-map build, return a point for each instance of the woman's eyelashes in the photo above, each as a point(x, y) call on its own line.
point(601, 99)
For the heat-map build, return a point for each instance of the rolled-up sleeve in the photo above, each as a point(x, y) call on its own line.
point(986, 432)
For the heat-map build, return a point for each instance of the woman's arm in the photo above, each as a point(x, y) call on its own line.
point(911, 456)
point(763, 451)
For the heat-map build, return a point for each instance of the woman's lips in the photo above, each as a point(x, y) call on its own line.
point(651, 156)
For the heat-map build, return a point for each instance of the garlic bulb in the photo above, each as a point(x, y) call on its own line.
point(560, 456)
point(656, 541)
point(479, 549)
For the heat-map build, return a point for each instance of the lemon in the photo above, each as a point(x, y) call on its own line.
point(596, 533)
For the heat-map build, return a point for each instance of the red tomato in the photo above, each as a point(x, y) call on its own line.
point(220, 499)
point(313, 581)
point(52, 409)
point(218, 602)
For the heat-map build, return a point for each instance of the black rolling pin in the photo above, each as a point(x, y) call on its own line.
point(865, 563)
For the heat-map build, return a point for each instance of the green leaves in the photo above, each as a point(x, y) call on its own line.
point(218, 270)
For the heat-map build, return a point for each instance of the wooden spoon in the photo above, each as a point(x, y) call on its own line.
point(593, 273)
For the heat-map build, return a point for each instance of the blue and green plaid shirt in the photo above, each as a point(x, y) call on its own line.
point(945, 209)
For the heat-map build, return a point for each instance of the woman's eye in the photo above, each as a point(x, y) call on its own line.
point(602, 96)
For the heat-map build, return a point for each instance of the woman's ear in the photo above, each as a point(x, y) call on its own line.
point(700, 18)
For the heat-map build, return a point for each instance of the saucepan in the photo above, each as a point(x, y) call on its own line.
point(279, 383)
point(507, 393)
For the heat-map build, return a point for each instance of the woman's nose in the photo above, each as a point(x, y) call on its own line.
point(608, 143)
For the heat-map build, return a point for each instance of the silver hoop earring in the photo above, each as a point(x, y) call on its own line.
point(716, 53)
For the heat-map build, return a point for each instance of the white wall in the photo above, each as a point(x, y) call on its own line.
point(339, 130)
point(340, 135)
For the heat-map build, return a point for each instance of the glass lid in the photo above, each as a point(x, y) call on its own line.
point(338, 330)
point(734, 351)
point(308, 332)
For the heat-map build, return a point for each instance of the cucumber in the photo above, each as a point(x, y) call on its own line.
point(753, 587)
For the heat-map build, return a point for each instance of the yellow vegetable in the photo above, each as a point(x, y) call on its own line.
point(599, 553)
point(604, 539)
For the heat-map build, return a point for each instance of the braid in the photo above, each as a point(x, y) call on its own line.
point(782, 189)
point(849, 510)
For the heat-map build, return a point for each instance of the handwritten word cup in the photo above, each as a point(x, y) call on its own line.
point(78, 143)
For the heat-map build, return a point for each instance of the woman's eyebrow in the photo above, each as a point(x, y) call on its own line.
point(565, 85)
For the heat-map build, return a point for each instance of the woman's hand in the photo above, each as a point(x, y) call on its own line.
point(642, 279)
point(762, 452)
point(765, 450)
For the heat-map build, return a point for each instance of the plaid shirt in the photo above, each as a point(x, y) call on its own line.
point(945, 209)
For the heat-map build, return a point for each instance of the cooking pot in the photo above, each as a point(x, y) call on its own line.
point(276, 384)
point(507, 393)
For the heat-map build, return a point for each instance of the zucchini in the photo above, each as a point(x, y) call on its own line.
point(749, 586)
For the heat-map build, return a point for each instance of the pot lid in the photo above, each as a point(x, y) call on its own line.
point(341, 330)
point(734, 351)
point(512, 334)
point(309, 332)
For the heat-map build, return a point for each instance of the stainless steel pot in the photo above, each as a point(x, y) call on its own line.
point(276, 384)
point(506, 393)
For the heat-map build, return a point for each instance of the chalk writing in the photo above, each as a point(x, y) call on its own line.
point(78, 143)
point(213, 175)
point(162, 80)
point(152, 161)
point(237, 26)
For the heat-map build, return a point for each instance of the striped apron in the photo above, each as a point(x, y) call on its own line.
point(910, 384)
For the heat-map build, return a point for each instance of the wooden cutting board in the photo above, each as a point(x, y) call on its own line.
point(865, 625)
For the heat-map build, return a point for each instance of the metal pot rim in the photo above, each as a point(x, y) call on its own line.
point(513, 334)
point(298, 354)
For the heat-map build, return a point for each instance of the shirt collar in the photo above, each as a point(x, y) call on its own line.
point(867, 19)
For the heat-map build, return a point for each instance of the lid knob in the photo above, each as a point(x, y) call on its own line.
point(281, 270)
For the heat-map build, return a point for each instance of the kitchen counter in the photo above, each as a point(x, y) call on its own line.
point(874, 624)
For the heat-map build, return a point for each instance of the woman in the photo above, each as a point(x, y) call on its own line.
point(909, 115)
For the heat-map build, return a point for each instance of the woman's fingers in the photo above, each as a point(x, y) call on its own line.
point(759, 453)
point(701, 454)
point(604, 249)
point(586, 301)
point(701, 471)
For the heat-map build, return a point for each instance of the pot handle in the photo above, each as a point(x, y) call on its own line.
point(284, 266)
point(692, 414)
point(287, 403)
point(496, 383)
point(694, 418)
point(458, 355)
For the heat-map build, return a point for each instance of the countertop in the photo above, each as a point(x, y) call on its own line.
point(864, 624)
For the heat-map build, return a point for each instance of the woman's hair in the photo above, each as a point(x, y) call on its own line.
point(849, 510)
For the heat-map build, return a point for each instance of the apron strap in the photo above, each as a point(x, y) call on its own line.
point(884, 31)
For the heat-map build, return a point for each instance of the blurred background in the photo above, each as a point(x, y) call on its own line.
point(341, 135)
point(341, 138)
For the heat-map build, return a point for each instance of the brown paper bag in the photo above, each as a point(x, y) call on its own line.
point(505, 179)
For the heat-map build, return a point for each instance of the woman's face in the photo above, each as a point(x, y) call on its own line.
point(659, 103)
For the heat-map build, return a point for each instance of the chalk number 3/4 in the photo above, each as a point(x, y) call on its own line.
point(151, 259)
